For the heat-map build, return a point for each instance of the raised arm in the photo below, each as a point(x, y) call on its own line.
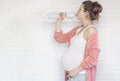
point(65, 37)
point(59, 35)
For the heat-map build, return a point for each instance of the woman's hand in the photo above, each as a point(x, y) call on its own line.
point(75, 71)
point(59, 20)
point(62, 16)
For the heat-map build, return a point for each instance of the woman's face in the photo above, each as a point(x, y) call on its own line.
point(81, 14)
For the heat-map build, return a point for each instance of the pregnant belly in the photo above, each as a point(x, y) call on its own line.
point(71, 61)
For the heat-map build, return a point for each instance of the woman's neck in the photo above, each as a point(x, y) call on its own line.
point(87, 23)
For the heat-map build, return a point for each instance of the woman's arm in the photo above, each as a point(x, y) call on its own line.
point(65, 37)
point(91, 59)
point(93, 49)
point(59, 35)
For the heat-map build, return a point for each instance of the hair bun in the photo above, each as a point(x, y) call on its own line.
point(97, 8)
point(94, 8)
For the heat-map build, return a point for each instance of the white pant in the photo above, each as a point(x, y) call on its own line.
point(78, 77)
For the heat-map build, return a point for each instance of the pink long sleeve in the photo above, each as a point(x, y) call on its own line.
point(91, 59)
point(65, 37)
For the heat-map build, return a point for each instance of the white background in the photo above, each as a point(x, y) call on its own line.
point(28, 51)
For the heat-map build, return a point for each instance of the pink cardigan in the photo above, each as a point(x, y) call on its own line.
point(91, 51)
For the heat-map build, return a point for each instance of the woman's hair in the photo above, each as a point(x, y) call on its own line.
point(94, 8)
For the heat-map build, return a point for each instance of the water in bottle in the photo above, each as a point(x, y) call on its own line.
point(55, 15)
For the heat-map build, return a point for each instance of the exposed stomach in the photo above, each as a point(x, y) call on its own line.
point(71, 61)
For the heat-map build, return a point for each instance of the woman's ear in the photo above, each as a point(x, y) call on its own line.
point(87, 14)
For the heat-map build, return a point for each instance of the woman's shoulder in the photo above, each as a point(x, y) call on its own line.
point(90, 31)
point(76, 28)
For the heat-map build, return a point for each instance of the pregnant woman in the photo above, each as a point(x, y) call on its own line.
point(80, 59)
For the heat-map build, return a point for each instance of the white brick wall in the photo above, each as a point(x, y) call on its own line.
point(28, 51)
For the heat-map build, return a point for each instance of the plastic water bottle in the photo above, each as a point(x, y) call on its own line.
point(54, 15)
point(71, 15)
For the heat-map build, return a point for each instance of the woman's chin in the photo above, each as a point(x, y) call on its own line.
point(79, 18)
